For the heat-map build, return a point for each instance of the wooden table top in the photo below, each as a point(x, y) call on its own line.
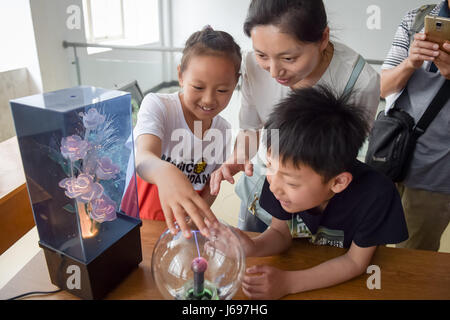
point(11, 171)
point(405, 274)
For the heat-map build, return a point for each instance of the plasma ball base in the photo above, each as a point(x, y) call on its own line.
point(209, 292)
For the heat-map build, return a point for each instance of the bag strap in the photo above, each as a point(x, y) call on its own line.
point(419, 20)
point(357, 69)
point(433, 109)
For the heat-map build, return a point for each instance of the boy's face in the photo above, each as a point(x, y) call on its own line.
point(297, 189)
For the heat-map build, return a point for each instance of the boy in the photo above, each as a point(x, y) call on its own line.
point(318, 187)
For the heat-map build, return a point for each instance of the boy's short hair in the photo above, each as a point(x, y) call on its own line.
point(318, 129)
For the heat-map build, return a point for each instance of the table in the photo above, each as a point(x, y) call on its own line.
point(405, 273)
point(16, 215)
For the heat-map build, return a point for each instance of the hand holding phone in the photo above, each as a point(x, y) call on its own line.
point(437, 29)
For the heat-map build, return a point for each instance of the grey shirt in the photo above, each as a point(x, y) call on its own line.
point(430, 166)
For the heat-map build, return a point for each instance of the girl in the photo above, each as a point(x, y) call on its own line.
point(291, 50)
point(173, 131)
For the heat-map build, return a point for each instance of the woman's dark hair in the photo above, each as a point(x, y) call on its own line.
point(305, 19)
point(317, 129)
point(211, 42)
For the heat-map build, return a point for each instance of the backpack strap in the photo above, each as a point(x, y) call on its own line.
point(419, 20)
point(357, 69)
point(439, 100)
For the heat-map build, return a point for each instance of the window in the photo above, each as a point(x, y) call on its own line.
point(126, 22)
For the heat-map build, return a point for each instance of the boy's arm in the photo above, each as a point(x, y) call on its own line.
point(273, 283)
point(274, 240)
point(334, 271)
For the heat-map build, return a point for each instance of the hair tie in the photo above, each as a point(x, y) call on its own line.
point(207, 27)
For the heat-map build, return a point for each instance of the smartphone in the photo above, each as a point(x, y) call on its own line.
point(437, 29)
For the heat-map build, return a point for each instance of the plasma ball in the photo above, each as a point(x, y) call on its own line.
point(199, 265)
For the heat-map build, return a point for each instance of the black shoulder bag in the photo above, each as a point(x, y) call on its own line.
point(393, 137)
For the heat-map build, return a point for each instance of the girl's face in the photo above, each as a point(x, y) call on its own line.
point(208, 83)
point(288, 60)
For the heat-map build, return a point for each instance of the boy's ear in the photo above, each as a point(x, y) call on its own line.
point(180, 76)
point(341, 182)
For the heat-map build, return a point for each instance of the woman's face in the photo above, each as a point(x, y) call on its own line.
point(287, 59)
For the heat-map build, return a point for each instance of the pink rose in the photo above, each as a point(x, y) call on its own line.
point(74, 148)
point(92, 119)
point(83, 188)
point(103, 209)
point(105, 169)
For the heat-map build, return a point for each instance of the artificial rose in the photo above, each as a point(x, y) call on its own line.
point(74, 148)
point(103, 209)
point(92, 119)
point(83, 188)
point(105, 169)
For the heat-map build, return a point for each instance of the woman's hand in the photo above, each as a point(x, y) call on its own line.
point(227, 171)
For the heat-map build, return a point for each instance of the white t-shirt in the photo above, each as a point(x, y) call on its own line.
point(162, 115)
point(261, 93)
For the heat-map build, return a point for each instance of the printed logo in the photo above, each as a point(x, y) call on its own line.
point(374, 281)
point(74, 19)
point(74, 280)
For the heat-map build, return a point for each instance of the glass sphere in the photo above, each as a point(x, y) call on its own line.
point(198, 268)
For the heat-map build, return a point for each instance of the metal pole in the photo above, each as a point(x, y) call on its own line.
point(77, 65)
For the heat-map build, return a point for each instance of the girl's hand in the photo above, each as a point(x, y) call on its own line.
point(422, 50)
point(179, 200)
point(265, 282)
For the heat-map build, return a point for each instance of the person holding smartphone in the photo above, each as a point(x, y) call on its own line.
point(412, 73)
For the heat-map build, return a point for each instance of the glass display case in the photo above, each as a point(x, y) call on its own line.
point(75, 158)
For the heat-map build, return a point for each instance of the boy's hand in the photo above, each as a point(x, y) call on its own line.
point(265, 282)
point(179, 200)
point(227, 171)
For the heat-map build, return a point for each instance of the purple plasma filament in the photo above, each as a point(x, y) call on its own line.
point(199, 266)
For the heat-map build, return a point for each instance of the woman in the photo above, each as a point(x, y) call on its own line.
point(291, 50)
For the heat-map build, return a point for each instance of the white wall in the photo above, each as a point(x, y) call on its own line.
point(18, 49)
point(347, 20)
point(54, 22)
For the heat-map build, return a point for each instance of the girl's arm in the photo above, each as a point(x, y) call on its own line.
point(178, 197)
point(206, 194)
